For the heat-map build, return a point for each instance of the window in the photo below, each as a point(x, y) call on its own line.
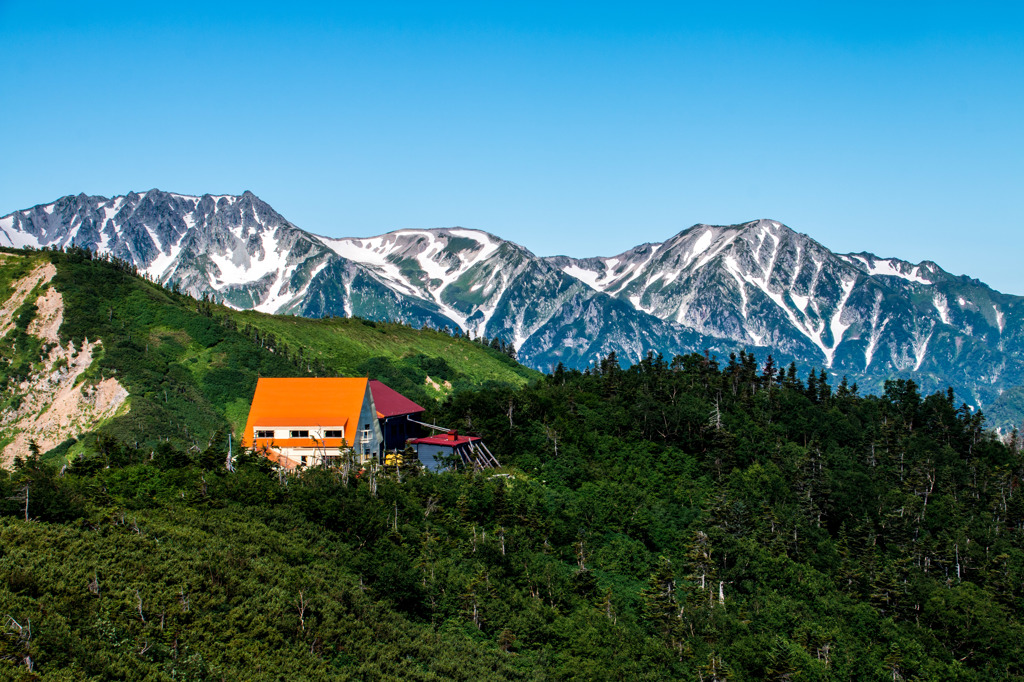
point(300, 434)
point(332, 434)
point(303, 459)
point(264, 434)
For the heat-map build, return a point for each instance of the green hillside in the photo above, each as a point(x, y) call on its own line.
point(674, 521)
point(190, 367)
point(678, 520)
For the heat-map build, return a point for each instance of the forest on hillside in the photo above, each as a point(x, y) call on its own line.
point(680, 519)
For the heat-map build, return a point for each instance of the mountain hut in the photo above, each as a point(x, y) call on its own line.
point(307, 421)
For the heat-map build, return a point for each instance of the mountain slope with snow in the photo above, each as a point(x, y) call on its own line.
point(758, 286)
point(234, 247)
point(762, 285)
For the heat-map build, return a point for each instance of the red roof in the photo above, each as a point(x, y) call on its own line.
point(391, 403)
point(449, 440)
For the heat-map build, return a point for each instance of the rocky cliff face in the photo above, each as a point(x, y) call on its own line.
point(759, 286)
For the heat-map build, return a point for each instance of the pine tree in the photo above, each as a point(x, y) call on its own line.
point(606, 606)
point(661, 607)
point(715, 670)
point(700, 568)
point(781, 665)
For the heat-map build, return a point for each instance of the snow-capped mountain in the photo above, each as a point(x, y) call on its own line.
point(236, 247)
point(762, 284)
point(484, 285)
point(240, 251)
point(759, 286)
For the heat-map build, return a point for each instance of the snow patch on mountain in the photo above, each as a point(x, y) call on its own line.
point(920, 345)
point(734, 269)
point(280, 297)
point(588, 277)
point(14, 238)
point(942, 307)
point(888, 267)
point(800, 301)
point(637, 270)
point(372, 252)
point(238, 267)
point(836, 325)
point(163, 264)
point(877, 328)
point(719, 248)
point(490, 245)
point(702, 244)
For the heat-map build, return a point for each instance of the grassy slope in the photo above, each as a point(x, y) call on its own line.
point(191, 367)
point(424, 364)
point(14, 266)
point(344, 345)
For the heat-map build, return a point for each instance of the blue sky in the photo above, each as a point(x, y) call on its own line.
point(576, 128)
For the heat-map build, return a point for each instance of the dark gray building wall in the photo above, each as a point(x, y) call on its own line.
point(368, 419)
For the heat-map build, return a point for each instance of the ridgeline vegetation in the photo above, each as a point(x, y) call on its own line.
point(683, 519)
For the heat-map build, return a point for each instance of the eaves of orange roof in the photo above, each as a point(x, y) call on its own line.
point(306, 401)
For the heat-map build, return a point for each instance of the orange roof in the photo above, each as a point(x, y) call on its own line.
point(306, 401)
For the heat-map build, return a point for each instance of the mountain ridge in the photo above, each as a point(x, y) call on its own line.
point(758, 285)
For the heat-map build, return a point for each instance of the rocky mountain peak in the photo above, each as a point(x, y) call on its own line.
point(758, 285)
